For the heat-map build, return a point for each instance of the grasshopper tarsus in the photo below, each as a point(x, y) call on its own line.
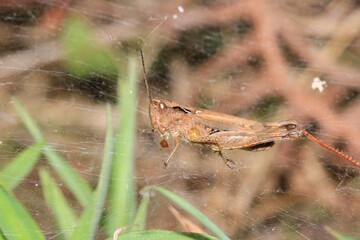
point(165, 165)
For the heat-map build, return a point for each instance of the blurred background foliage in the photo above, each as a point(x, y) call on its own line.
point(64, 60)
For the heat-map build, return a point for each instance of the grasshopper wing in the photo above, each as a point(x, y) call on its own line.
point(225, 122)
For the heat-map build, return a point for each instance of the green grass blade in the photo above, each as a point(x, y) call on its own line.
point(122, 200)
point(163, 235)
point(78, 186)
point(190, 209)
point(15, 172)
point(84, 56)
point(339, 236)
point(83, 226)
point(140, 219)
point(2, 237)
point(28, 121)
point(15, 221)
point(102, 188)
point(64, 215)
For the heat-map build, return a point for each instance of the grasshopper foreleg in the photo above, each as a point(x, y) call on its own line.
point(177, 144)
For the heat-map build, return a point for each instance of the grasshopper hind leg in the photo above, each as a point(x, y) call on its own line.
point(230, 163)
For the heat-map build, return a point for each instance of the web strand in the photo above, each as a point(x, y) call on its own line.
point(341, 154)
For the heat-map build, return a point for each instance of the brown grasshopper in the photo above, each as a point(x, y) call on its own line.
point(220, 131)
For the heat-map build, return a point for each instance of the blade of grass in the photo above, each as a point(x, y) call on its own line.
point(102, 188)
point(15, 221)
point(88, 223)
point(190, 209)
point(78, 186)
point(15, 172)
point(140, 219)
point(122, 201)
point(64, 215)
point(163, 235)
point(82, 229)
point(339, 236)
point(28, 121)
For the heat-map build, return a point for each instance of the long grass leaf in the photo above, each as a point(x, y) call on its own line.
point(102, 188)
point(122, 200)
point(163, 235)
point(190, 209)
point(17, 170)
point(28, 121)
point(64, 215)
point(339, 236)
point(78, 186)
point(15, 221)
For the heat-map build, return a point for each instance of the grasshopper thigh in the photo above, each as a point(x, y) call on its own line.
point(238, 140)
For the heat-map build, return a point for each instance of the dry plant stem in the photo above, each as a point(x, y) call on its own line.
point(341, 154)
point(188, 225)
point(120, 230)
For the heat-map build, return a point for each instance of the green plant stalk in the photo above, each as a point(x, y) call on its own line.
point(122, 202)
point(190, 209)
point(102, 188)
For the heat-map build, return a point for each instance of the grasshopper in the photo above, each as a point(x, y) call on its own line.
point(218, 130)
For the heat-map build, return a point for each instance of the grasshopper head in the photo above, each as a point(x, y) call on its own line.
point(160, 114)
point(169, 117)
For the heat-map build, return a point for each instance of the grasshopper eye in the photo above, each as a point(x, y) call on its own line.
point(162, 107)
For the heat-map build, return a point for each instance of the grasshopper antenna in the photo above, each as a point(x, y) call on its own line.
point(341, 154)
point(145, 76)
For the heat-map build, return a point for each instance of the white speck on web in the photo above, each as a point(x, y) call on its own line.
point(181, 9)
point(318, 84)
point(174, 16)
point(111, 37)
